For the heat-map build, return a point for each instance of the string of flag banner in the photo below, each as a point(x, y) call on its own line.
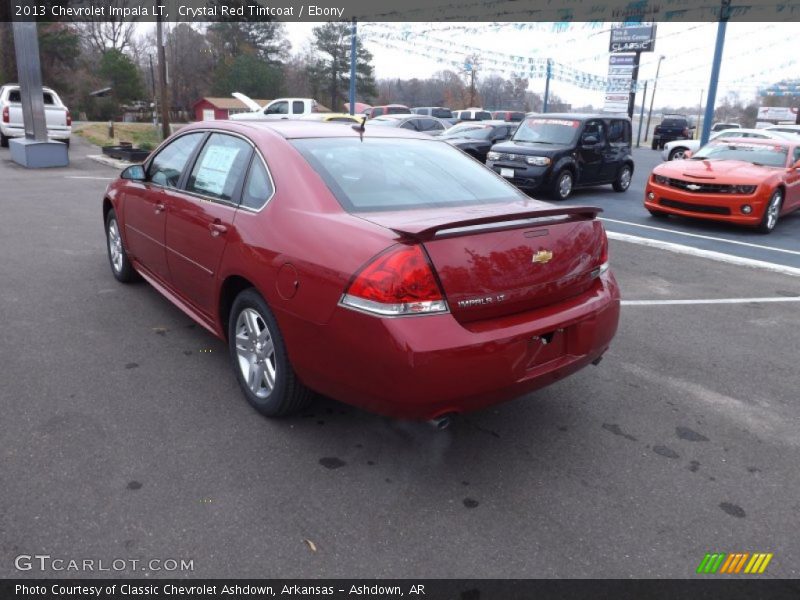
point(457, 55)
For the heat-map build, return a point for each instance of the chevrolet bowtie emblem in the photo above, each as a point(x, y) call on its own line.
point(542, 256)
point(693, 186)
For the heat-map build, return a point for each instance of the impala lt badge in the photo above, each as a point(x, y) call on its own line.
point(481, 301)
point(542, 256)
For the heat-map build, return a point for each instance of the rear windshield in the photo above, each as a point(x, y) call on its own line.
point(758, 154)
point(395, 174)
point(547, 131)
point(14, 96)
point(442, 113)
point(674, 123)
point(396, 110)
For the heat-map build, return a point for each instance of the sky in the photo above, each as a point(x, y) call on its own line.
point(755, 54)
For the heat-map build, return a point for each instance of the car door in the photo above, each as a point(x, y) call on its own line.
point(277, 110)
point(618, 137)
point(792, 200)
point(200, 219)
point(298, 108)
point(591, 146)
point(145, 203)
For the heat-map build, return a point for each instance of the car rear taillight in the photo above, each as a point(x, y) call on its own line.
point(603, 266)
point(399, 281)
point(69, 119)
point(6, 117)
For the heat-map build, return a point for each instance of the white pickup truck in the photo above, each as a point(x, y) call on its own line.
point(282, 108)
point(59, 121)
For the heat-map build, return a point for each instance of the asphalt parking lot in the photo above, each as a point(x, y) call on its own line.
point(124, 434)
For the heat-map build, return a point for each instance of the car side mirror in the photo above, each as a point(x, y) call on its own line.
point(134, 173)
point(589, 140)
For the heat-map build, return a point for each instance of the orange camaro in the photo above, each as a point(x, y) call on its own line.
point(742, 181)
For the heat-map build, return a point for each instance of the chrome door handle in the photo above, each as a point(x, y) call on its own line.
point(217, 229)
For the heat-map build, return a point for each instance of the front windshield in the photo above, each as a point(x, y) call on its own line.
point(547, 131)
point(475, 132)
point(757, 154)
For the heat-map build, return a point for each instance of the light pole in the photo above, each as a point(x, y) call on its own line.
point(652, 97)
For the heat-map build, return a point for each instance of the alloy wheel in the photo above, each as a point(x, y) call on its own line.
point(255, 352)
point(115, 245)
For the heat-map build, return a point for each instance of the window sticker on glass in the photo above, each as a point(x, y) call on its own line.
point(214, 169)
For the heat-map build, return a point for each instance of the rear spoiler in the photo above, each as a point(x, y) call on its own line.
point(425, 230)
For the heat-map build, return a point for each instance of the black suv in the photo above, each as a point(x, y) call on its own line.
point(558, 152)
point(672, 127)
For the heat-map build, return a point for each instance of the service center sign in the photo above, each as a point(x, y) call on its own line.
point(633, 38)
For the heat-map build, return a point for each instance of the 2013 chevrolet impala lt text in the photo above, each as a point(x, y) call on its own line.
point(380, 267)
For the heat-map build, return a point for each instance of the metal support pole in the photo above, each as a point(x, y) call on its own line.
point(352, 69)
point(29, 71)
point(641, 114)
point(652, 97)
point(634, 80)
point(699, 112)
point(547, 85)
point(162, 75)
point(724, 15)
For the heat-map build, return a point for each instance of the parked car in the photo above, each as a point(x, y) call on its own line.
point(508, 115)
point(476, 139)
point(724, 126)
point(57, 116)
point(790, 129)
point(333, 118)
point(429, 125)
point(282, 108)
point(744, 181)
point(300, 244)
point(389, 109)
point(472, 114)
point(672, 127)
point(677, 150)
point(440, 112)
point(559, 152)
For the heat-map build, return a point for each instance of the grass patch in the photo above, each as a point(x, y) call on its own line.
point(141, 135)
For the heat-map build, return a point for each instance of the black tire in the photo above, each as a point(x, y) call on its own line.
point(3, 141)
point(675, 151)
point(563, 191)
point(121, 268)
point(657, 214)
point(654, 145)
point(288, 394)
point(66, 141)
point(623, 180)
point(768, 224)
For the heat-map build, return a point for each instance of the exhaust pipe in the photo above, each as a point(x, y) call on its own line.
point(441, 423)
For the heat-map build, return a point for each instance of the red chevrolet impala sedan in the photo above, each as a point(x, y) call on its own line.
point(383, 268)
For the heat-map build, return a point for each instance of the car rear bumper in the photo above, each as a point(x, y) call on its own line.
point(53, 134)
point(428, 366)
point(714, 207)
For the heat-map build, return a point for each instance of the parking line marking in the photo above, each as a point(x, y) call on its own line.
point(710, 254)
point(704, 237)
point(88, 177)
point(709, 301)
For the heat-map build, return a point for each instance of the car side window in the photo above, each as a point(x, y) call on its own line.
point(220, 167)
point(796, 155)
point(617, 132)
point(297, 107)
point(167, 166)
point(596, 129)
point(279, 108)
point(258, 186)
point(410, 124)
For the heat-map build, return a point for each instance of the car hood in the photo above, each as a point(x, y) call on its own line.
point(464, 141)
point(530, 148)
point(735, 171)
